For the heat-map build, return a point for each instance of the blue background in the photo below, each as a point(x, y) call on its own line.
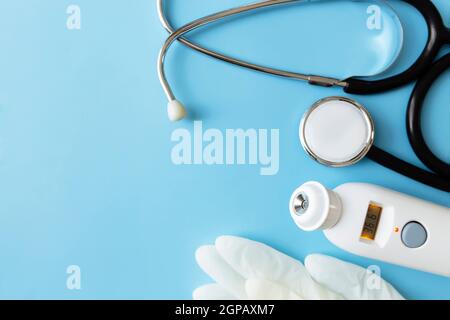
point(85, 171)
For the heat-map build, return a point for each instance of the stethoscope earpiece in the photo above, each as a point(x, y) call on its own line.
point(176, 110)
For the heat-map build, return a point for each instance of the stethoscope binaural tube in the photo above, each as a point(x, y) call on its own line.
point(438, 35)
point(241, 63)
point(176, 110)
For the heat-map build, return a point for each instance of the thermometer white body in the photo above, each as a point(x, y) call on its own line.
point(378, 223)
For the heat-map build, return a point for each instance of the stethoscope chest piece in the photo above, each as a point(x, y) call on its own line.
point(337, 131)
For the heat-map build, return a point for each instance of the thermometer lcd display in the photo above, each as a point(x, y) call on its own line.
point(371, 222)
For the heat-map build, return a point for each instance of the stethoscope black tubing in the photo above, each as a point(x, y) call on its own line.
point(440, 177)
point(426, 71)
point(413, 121)
point(408, 170)
point(438, 35)
point(447, 36)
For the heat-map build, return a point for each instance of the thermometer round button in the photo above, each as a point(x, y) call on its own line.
point(414, 235)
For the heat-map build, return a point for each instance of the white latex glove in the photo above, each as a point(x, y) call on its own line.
point(245, 269)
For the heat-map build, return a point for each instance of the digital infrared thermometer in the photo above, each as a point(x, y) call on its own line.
point(377, 223)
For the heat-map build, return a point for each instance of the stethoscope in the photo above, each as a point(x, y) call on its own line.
point(425, 70)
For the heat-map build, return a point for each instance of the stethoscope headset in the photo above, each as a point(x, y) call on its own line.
point(425, 70)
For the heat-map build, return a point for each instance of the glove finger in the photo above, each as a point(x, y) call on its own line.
point(254, 260)
point(351, 281)
point(212, 291)
point(258, 289)
point(220, 271)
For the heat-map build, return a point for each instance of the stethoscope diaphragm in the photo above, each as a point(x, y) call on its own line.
point(337, 131)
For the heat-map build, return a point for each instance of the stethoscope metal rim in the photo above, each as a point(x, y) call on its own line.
point(366, 147)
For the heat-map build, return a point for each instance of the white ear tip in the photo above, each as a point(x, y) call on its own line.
point(314, 207)
point(175, 110)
